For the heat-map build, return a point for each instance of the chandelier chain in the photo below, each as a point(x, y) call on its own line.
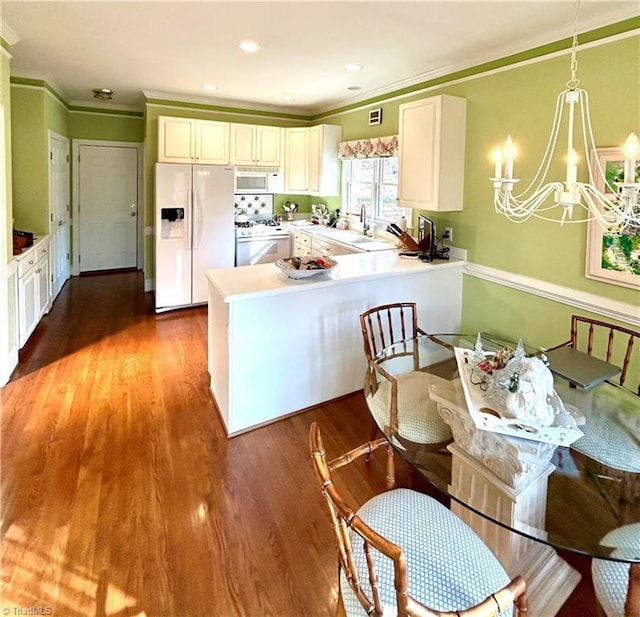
point(574, 82)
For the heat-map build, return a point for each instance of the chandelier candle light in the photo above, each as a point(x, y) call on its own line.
point(615, 213)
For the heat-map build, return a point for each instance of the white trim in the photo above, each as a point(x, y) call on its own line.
point(75, 196)
point(89, 107)
point(7, 33)
point(449, 71)
point(53, 253)
point(11, 359)
point(225, 103)
point(621, 311)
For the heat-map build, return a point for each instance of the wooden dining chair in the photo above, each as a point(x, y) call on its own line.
point(609, 342)
point(400, 402)
point(403, 553)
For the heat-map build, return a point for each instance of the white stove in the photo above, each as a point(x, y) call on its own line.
point(259, 238)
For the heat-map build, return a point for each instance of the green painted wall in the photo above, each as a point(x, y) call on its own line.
point(521, 101)
point(5, 101)
point(108, 127)
point(36, 110)
point(29, 158)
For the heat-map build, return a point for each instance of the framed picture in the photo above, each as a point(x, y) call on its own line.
point(612, 258)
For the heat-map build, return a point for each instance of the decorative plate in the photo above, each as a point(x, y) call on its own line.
point(303, 267)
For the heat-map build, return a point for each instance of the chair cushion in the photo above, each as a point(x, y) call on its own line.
point(448, 565)
point(418, 417)
point(614, 444)
point(611, 578)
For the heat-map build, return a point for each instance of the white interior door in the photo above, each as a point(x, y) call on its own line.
point(59, 211)
point(108, 208)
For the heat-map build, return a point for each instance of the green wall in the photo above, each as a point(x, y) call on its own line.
point(29, 159)
point(521, 101)
point(36, 109)
point(5, 101)
point(89, 124)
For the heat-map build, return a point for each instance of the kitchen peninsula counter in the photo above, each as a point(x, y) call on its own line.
point(278, 345)
point(266, 279)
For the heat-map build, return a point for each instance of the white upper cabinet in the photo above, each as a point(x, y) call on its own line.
point(256, 145)
point(431, 153)
point(296, 160)
point(188, 140)
point(311, 160)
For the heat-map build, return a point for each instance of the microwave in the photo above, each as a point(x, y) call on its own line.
point(258, 180)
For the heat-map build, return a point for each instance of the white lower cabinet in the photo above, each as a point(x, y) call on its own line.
point(308, 244)
point(321, 247)
point(301, 244)
point(34, 288)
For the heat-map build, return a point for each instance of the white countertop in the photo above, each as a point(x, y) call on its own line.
point(37, 241)
point(266, 279)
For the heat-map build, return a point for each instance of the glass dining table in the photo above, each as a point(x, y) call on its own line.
point(526, 492)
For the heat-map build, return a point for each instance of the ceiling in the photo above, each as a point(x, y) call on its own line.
point(170, 49)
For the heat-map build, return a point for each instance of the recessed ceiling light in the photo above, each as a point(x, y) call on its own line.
point(288, 97)
point(209, 87)
point(354, 88)
point(353, 67)
point(249, 46)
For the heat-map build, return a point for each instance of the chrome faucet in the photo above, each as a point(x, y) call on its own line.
point(363, 219)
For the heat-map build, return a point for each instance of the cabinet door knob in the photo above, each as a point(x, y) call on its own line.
point(133, 214)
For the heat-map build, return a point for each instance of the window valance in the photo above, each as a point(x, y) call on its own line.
point(376, 147)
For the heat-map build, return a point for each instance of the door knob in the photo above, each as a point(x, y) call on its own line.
point(133, 214)
point(60, 223)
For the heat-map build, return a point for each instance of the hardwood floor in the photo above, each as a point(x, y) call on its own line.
point(122, 496)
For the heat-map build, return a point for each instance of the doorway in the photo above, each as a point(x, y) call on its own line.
point(59, 211)
point(107, 199)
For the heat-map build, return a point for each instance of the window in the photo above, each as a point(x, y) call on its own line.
point(373, 183)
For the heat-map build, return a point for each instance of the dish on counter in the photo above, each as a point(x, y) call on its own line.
point(303, 267)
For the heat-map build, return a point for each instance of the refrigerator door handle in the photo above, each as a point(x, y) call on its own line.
point(197, 219)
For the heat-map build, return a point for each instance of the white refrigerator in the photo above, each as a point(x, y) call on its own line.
point(194, 230)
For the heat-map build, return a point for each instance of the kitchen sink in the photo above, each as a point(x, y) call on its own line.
point(351, 237)
point(354, 238)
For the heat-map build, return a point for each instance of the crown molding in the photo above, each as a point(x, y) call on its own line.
point(7, 33)
point(230, 104)
point(108, 108)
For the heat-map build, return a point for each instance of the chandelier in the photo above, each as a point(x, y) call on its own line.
point(616, 208)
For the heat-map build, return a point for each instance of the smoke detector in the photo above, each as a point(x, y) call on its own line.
point(103, 94)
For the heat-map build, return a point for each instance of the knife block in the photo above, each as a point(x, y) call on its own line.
point(409, 242)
